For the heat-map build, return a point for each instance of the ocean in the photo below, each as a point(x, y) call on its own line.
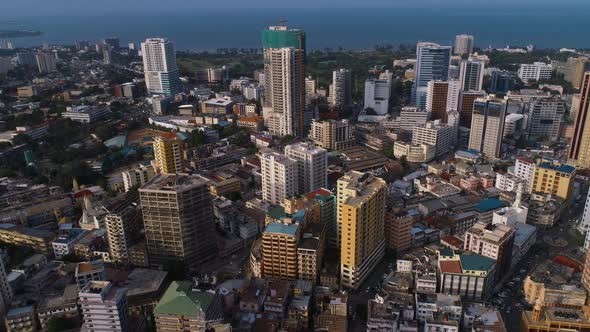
point(325, 28)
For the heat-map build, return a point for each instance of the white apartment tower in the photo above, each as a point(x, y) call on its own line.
point(487, 126)
point(137, 176)
point(159, 66)
point(341, 93)
point(377, 93)
point(103, 307)
point(536, 71)
point(435, 133)
point(433, 63)
point(545, 117)
point(525, 169)
point(463, 44)
point(279, 177)
point(312, 165)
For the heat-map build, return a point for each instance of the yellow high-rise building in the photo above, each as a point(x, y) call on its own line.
point(361, 210)
point(555, 178)
point(168, 155)
point(579, 152)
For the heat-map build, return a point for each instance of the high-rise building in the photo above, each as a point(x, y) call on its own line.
point(341, 93)
point(555, 178)
point(524, 168)
point(137, 176)
point(574, 70)
point(312, 165)
point(545, 117)
point(535, 71)
point(501, 81)
point(159, 66)
point(432, 64)
point(471, 74)
point(107, 55)
point(104, 307)
point(442, 97)
point(584, 224)
point(123, 224)
point(279, 251)
point(487, 126)
point(465, 107)
point(311, 86)
point(279, 177)
point(6, 293)
point(46, 62)
point(377, 94)
point(168, 154)
point(284, 87)
point(579, 153)
point(437, 134)
point(26, 59)
point(332, 134)
point(463, 44)
point(361, 210)
point(178, 220)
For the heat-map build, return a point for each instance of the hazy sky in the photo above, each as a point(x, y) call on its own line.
point(10, 8)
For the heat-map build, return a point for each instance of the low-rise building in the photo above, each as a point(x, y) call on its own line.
point(552, 284)
point(85, 113)
point(414, 153)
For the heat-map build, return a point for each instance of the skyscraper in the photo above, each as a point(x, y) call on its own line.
point(279, 177)
point(432, 64)
point(46, 62)
point(178, 220)
point(159, 66)
point(487, 126)
point(471, 74)
point(122, 224)
point(168, 154)
point(312, 165)
point(341, 93)
point(442, 97)
point(463, 44)
point(284, 86)
point(579, 153)
point(360, 214)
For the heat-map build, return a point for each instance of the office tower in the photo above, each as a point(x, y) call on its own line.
point(555, 178)
point(104, 307)
point(341, 93)
point(501, 82)
point(487, 126)
point(310, 86)
point(123, 225)
point(535, 71)
point(279, 177)
point(432, 64)
point(279, 251)
point(332, 134)
point(471, 74)
point(107, 55)
point(26, 59)
point(112, 42)
point(493, 241)
point(168, 154)
point(435, 133)
point(284, 87)
point(463, 44)
point(465, 107)
point(159, 66)
point(377, 93)
point(46, 62)
point(6, 293)
point(579, 153)
point(360, 214)
point(545, 115)
point(524, 168)
point(137, 176)
point(178, 220)
point(442, 97)
point(312, 165)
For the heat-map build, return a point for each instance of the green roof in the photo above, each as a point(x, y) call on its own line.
point(277, 212)
point(181, 300)
point(282, 38)
point(476, 262)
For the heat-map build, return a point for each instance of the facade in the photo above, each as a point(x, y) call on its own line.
point(279, 251)
point(579, 153)
point(159, 66)
point(437, 134)
point(123, 224)
point(280, 177)
point(463, 44)
point(398, 230)
point(487, 126)
point(554, 178)
point(377, 94)
point(414, 153)
point(86, 114)
point(471, 74)
point(470, 276)
point(137, 176)
point(360, 214)
point(332, 134)
point(284, 86)
point(585, 222)
point(178, 220)
point(501, 82)
point(441, 97)
point(168, 152)
point(545, 118)
point(536, 71)
point(524, 168)
point(6, 293)
point(493, 241)
point(341, 93)
point(465, 107)
point(312, 165)
point(46, 63)
point(432, 64)
point(104, 307)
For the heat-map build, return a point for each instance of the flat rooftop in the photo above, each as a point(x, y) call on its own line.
point(173, 182)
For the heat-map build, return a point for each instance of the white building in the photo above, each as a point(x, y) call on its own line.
point(312, 165)
point(536, 71)
point(471, 73)
point(585, 222)
point(341, 88)
point(414, 153)
point(463, 44)
point(159, 66)
point(104, 307)
point(377, 93)
point(487, 126)
point(545, 118)
point(432, 64)
point(508, 182)
point(279, 177)
point(434, 133)
point(525, 169)
point(137, 176)
point(85, 113)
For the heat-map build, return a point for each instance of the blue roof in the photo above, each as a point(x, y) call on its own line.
point(299, 215)
point(282, 229)
point(560, 168)
point(489, 205)
point(476, 262)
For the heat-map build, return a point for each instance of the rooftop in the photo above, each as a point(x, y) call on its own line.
point(557, 167)
point(476, 262)
point(181, 300)
point(173, 183)
point(282, 229)
point(489, 205)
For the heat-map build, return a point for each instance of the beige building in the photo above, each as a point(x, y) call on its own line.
point(493, 241)
point(332, 134)
point(579, 153)
point(554, 285)
point(168, 154)
point(414, 153)
point(360, 214)
point(487, 126)
point(279, 251)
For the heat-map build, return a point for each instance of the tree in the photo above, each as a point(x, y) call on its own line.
point(60, 323)
point(286, 139)
point(197, 138)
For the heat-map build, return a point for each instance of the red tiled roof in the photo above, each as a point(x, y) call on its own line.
point(450, 267)
point(452, 240)
point(318, 192)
